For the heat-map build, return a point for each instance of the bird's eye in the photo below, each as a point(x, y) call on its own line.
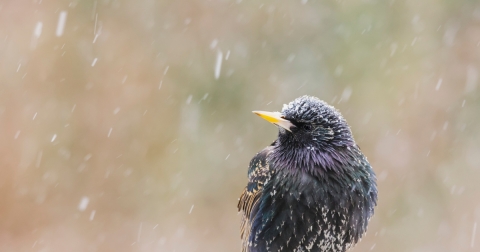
point(307, 127)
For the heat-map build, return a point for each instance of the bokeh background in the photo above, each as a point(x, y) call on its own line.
point(126, 125)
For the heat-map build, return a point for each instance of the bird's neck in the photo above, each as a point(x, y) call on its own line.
point(312, 159)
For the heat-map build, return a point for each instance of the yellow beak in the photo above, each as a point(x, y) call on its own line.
point(275, 118)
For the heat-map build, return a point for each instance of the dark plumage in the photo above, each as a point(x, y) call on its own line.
point(312, 189)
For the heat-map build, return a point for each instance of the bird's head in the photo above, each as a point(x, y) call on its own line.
point(308, 122)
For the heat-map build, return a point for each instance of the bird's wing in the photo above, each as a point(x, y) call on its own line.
point(259, 174)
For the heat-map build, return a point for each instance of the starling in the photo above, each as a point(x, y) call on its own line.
point(312, 189)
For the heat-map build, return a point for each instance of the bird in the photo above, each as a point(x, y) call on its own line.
point(312, 189)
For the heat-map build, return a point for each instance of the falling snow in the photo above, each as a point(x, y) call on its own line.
point(92, 215)
point(218, 64)
point(62, 19)
point(439, 84)
point(83, 203)
point(38, 29)
point(36, 35)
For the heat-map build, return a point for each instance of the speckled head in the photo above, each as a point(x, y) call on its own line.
point(315, 123)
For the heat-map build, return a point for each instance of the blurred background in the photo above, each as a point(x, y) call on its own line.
point(126, 125)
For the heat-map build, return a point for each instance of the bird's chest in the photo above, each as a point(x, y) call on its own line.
point(300, 213)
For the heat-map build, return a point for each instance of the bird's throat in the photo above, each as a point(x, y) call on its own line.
point(305, 158)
